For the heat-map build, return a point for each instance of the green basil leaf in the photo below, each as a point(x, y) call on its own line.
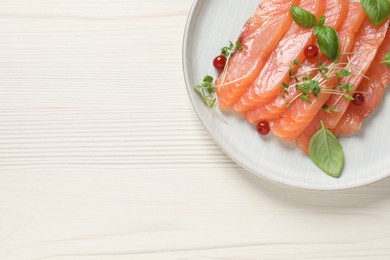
point(321, 20)
point(329, 42)
point(303, 17)
point(377, 10)
point(326, 152)
point(316, 30)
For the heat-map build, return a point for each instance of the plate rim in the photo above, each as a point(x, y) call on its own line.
point(287, 184)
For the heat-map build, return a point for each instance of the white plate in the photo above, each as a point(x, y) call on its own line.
point(211, 24)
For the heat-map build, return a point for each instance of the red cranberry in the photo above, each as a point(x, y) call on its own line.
point(263, 128)
point(358, 99)
point(311, 51)
point(219, 62)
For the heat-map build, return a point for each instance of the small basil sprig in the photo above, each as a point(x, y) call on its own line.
point(329, 42)
point(377, 10)
point(206, 90)
point(386, 60)
point(328, 38)
point(303, 17)
point(321, 20)
point(326, 152)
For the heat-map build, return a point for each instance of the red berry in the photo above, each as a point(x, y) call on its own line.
point(219, 62)
point(263, 128)
point(358, 99)
point(311, 51)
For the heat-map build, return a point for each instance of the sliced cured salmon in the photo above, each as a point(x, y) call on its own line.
point(301, 113)
point(276, 70)
point(336, 12)
point(259, 37)
point(368, 39)
point(364, 52)
point(372, 88)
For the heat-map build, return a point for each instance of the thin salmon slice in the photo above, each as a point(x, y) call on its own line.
point(301, 113)
point(378, 67)
point(259, 37)
point(373, 88)
point(368, 39)
point(276, 69)
point(364, 53)
point(335, 13)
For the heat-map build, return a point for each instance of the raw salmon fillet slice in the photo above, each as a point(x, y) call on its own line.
point(368, 39)
point(301, 113)
point(335, 13)
point(364, 53)
point(373, 88)
point(276, 69)
point(259, 37)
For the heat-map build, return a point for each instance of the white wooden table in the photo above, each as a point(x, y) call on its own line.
point(103, 157)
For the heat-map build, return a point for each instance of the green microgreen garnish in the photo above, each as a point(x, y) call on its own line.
point(326, 152)
point(348, 97)
point(229, 50)
point(206, 91)
point(284, 89)
point(328, 109)
point(343, 73)
point(238, 45)
point(310, 87)
point(377, 10)
point(305, 98)
point(346, 87)
point(328, 39)
point(323, 70)
point(292, 71)
point(296, 62)
point(386, 59)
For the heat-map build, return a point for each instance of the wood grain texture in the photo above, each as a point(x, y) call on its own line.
point(102, 156)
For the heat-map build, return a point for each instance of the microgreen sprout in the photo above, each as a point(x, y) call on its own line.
point(328, 109)
point(310, 87)
point(206, 91)
point(228, 52)
point(386, 59)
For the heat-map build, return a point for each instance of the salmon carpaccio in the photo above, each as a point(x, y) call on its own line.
point(335, 13)
point(301, 113)
point(276, 70)
point(259, 37)
point(373, 89)
point(368, 40)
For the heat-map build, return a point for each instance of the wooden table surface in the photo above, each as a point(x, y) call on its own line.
point(103, 157)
